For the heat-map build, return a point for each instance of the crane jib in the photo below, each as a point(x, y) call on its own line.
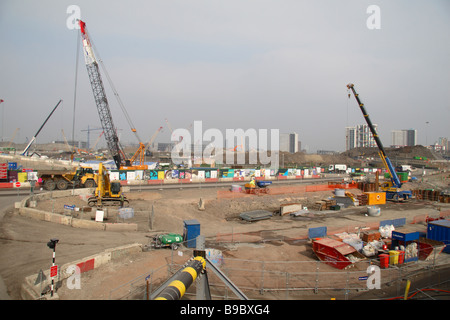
point(386, 161)
point(101, 101)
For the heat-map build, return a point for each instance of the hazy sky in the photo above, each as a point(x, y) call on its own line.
point(262, 64)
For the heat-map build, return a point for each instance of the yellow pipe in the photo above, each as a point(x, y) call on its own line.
point(176, 289)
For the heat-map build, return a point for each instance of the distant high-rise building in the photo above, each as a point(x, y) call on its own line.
point(443, 142)
point(359, 137)
point(411, 137)
point(289, 142)
point(403, 138)
point(364, 136)
point(350, 138)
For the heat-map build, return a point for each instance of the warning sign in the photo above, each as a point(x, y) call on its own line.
point(53, 271)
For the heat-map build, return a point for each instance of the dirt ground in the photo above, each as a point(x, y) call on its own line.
point(24, 251)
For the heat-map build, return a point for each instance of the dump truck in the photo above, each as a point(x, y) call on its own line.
point(83, 177)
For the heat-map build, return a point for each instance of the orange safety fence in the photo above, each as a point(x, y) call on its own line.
point(277, 190)
point(354, 228)
point(420, 218)
point(302, 235)
point(444, 214)
point(426, 217)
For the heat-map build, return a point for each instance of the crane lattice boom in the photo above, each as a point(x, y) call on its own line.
point(101, 101)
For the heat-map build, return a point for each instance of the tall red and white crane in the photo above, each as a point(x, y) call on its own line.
point(104, 112)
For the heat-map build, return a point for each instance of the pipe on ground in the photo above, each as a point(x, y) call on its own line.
point(176, 289)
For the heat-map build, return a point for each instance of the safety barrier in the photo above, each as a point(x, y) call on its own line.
point(33, 286)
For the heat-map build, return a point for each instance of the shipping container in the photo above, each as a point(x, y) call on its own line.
point(439, 230)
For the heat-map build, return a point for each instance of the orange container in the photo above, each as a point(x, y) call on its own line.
point(374, 198)
point(401, 257)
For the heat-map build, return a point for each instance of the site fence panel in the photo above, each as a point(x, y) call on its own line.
point(284, 279)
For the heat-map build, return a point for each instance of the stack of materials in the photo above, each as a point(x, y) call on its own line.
point(372, 248)
point(362, 199)
point(325, 205)
point(370, 235)
point(351, 239)
point(255, 215)
point(344, 198)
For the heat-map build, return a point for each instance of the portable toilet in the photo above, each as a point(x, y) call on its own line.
point(191, 231)
point(439, 230)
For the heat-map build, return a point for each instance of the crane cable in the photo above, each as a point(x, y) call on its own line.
point(116, 94)
point(75, 92)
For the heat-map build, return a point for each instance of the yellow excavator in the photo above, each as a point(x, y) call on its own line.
point(107, 193)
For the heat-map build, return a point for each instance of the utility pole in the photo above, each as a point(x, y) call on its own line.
point(3, 116)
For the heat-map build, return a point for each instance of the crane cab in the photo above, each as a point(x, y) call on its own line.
point(116, 189)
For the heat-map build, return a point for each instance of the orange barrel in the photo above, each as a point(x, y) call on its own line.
point(384, 261)
point(401, 257)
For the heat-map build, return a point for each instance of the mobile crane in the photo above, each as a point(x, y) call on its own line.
point(104, 112)
point(392, 187)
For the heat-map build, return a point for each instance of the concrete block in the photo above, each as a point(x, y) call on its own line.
point(60, 219)
point(102, 259)
point(289, 208)
point(32, 213)
point(125, 250)
point(120, 227)
point(170, 181)
point(88, 224)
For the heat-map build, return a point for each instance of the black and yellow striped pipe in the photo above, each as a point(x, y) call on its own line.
point(176, 289)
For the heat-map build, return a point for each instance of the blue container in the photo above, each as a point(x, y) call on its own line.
point(190, 232)
point(439, 230)
point(318, 232)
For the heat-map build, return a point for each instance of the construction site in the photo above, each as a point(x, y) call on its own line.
point(261, 239)
point(129, 224)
